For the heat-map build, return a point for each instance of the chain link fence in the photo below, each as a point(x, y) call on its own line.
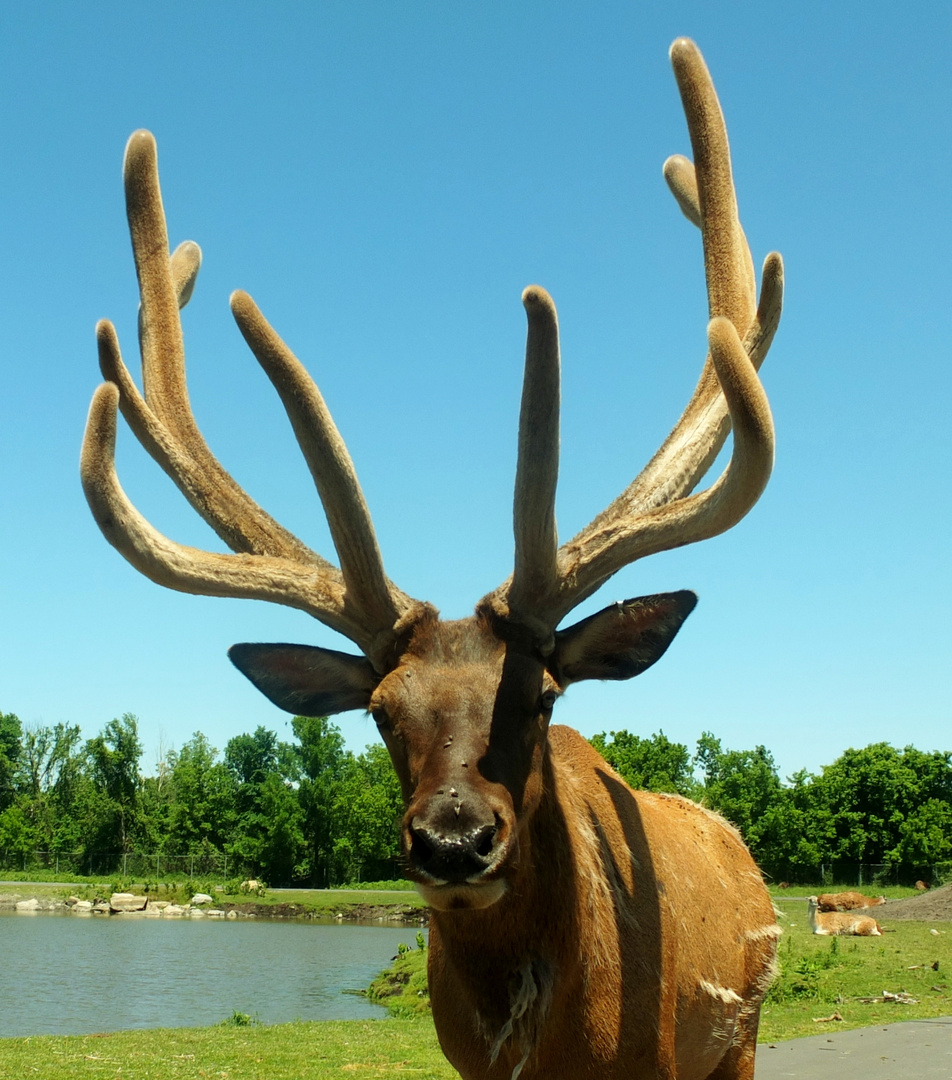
point(866, 875)
point(145, 866)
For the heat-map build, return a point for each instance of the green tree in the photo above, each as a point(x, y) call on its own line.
point(114, 769)
point(368, 809)
point(925, 835)
point(322, 760)
point(653, 764)
point(16, 835)
point(48, 761)
point(281, 845)
point(883, 805)
point(268, 835)
point(744, 787)
point(202, 809)
point(11, 734)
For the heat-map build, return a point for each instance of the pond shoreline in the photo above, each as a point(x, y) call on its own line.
point(107, 906)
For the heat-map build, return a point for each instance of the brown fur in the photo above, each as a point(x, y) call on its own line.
point(847, 901)
point(630, 930)
point(661, 957)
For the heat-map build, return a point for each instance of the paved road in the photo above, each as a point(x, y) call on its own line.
point(913, 1050)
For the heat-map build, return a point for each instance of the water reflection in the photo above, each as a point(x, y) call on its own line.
point(74, 975)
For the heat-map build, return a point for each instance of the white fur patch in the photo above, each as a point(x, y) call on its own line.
point(764, 933)
point(530, 995)
point(721, 993)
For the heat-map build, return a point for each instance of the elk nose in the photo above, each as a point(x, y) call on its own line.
point(451, 856)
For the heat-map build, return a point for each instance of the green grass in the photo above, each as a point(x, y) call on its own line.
point(337, 899)
point(402, 987)
point(304, 1051)
point(823, 975)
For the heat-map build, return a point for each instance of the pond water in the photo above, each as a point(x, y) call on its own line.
point(74, 975)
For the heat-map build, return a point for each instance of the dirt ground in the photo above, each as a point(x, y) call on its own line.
point(932, 906)
point(395, 914)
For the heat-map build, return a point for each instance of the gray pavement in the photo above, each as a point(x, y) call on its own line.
point(910, 1050)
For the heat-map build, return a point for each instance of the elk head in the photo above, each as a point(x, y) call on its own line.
point(463, 706)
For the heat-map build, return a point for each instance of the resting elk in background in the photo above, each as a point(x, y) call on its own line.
point(840, 922)
point(578, 928)
point(847, 901)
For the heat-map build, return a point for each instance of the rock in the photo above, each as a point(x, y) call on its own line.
point(28, 905)
point(159, 905)
point(71, 901)
point(123, 901)
point(201, 898)
point(174, 910)
point(102, 908)
point(232, 915)
point(81, 907)
point(215, 913)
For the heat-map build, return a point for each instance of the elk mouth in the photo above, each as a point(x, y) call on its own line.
point(464, 896)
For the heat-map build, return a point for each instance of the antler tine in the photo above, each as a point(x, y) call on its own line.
point(331, 467)
point(187, 569)
point(162, 419)
point(588, 560)
point(655, 512)
point(535, 575)
point(727, 262)
point(271, 563)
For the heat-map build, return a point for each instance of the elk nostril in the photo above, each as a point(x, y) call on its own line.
point(483, 841)
point(420, 850)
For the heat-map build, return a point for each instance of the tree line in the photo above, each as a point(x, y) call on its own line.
point(302, 812)
point(878, 806)
point(309, 811)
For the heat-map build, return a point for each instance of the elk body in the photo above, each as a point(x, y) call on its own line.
point(840, 922)
point(847, 901)
point(578, 928)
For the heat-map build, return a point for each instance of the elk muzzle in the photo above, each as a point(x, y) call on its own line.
point(456, 844)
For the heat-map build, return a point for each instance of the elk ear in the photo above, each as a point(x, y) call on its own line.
point(306, 680)
point(620, 641)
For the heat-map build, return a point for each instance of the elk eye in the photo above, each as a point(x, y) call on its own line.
point(548, 699)
point(380, 718)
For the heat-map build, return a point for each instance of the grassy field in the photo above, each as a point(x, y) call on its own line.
point(823, 976)
point(302, 1051)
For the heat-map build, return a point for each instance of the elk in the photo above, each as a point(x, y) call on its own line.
point(840, 922)
point(577, 928)
point(847, 901)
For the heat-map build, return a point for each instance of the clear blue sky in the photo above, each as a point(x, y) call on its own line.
point(385, 179)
